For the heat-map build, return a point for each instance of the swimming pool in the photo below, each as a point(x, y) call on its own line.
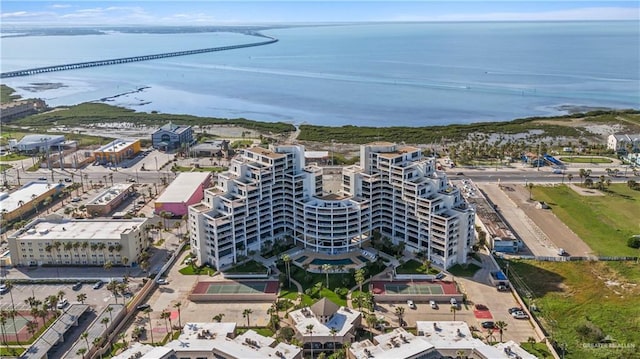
point(335, 262)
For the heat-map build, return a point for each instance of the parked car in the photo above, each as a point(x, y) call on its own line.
point(460, 174)
point(562, 252)
point(453, 302)
point(67, 180)
point(488, 325)
point(411, 304)
point(520, 315)
point(98, 284)
point(42, 178)
point(162, 281)
point(77, 286)
point(143, 306)
point(433, 304)
point(76, 199)
point(503, 288)
point(481, 307)
point(62, 303)
point(4, 288)
point(515, 309)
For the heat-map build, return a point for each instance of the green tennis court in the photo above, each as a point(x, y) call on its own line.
point(235, 288)
point(413, 289)
point(21, 323)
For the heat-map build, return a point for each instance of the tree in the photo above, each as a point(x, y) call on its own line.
point(148, 311)
point(165, 315)
point(105, 321)
point(326, 268)
point(84, 336)
point(454, 309)
point(12, 313)
point(81, 297)
point(570, 177)
point(110, 310)
point(177, 306)
point(310, 332)
point(530, 185)
point(400, 314)
point(359, 277)
point(3, 322)
point(287, 262)
point(502, 327)
point(218, 317)
point(81, 352)
point(247, 314)
point(333, 333)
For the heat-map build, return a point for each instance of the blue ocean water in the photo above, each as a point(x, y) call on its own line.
point(411, 74)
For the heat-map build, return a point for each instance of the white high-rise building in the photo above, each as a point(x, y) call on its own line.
point(268, 194)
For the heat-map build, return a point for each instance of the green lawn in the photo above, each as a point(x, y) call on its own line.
point(585, 159)
point(572, 296)
point(190, 270)
point(603, 222)
point(540, 350)
point(248, 267)
point(414, 267)
point(467, 270)
point(13, 157)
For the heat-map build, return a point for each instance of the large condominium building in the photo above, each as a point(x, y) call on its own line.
point(267, 194)
point(57, 241)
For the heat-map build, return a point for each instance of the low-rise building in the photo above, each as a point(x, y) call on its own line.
point(36, 143)
point(215, 341)
point(55, 240)
point(171, 137)
point(325, 325)
point(26, 199)
point(186, 190)
point(108, 200)
point(397, 344)
point(117, 151)
point(625, 143)
point(18, 109)
point(454, 338)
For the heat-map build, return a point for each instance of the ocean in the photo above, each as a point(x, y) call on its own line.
point(393, 74)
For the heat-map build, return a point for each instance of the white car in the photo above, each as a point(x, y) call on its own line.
point(520, 315)
point(433, 304)
point(453, 302)
point(162, 281)
point(411, 304)
point(62, 303)
point(3, 288)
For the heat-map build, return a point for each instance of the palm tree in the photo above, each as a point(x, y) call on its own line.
point(310, 332)
point(105, 321)
point(148, 311)
point(333, 333)
point(530, 185)
point(569, 177)
point(502, 327)
point(247, 314)
point(400, 314)
point(359, 277)
point(12, 313)
point(218, 317)
point(113, 288)
point(3, 322)
point(326, 268)
point(81, 297)
point(84, 336)
point(287, 262)
point(110, 310)
point(165, 315)
point(177, 306)
point(81, 352)
point(454, 309)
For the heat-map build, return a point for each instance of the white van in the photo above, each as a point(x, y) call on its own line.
point(454, 302)
point(561, 252)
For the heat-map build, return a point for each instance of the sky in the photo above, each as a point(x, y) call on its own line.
point(213, 12)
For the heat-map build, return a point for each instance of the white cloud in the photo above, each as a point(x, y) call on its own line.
point(592, 13)
point(60, 6)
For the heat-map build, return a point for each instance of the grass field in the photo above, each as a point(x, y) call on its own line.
point(581, 303)
point(603, 222)
point(415, 267)
point(586, 159)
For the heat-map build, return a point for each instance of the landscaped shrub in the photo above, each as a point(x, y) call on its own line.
point(634, 242)
point(589, 332)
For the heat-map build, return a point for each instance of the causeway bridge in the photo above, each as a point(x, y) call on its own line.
point(124, 60)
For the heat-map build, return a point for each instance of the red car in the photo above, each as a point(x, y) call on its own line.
point(481, 307)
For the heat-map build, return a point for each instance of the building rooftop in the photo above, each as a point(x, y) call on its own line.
point(109, 194)
point(40, 139)
point(342, 321)
point(181, 189)
point(24, 195)
point(316, 154)
point(173, 128)
point(116, 145)
point(207, 330)
point(52, 229)
point(393, 345)
point(265, 152)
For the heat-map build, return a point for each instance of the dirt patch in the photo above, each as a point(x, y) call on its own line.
point(585, 191)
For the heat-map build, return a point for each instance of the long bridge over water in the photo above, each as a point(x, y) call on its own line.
point(124, 60)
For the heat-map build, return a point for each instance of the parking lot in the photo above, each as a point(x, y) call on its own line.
point(99, 298)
